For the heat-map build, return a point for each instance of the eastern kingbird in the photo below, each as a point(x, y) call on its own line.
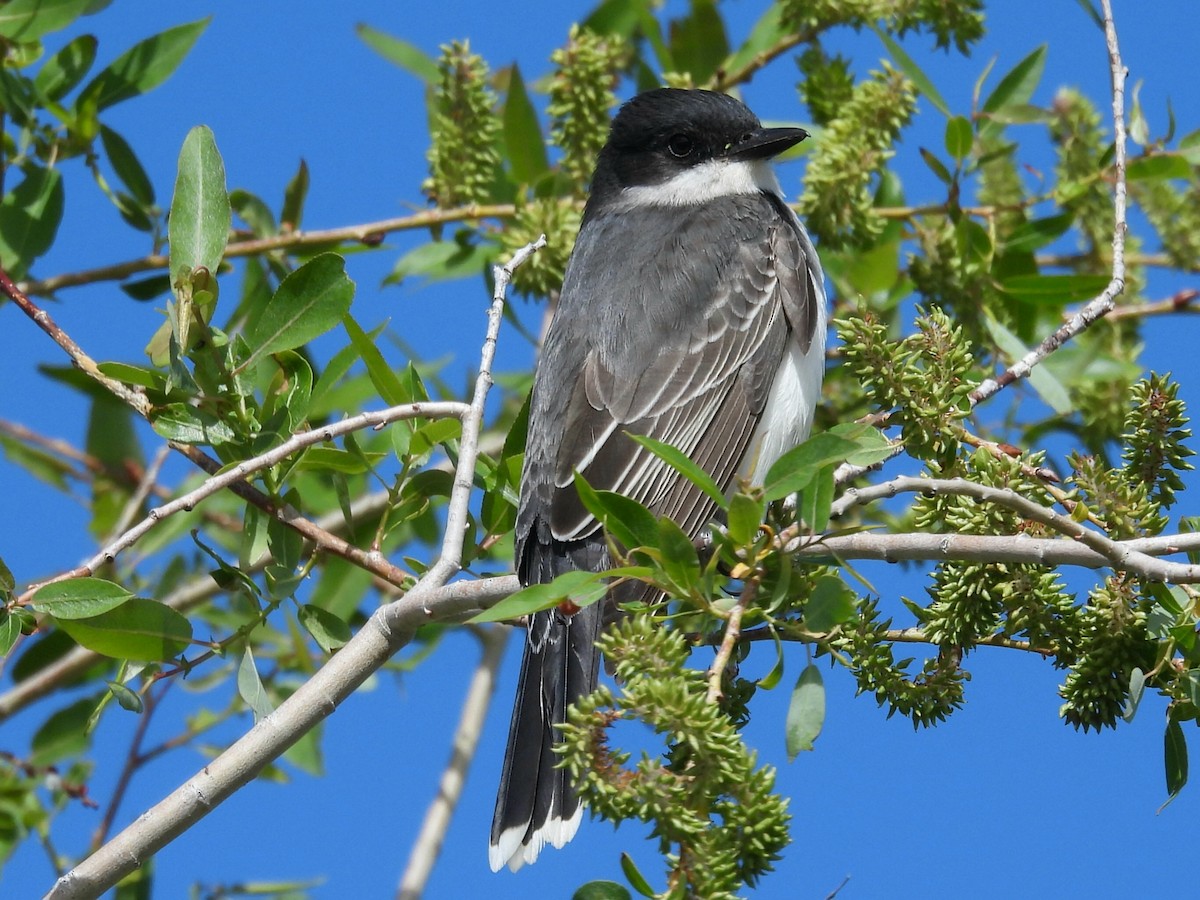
point(692, 311)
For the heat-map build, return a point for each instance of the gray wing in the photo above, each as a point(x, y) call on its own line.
point(701, 382)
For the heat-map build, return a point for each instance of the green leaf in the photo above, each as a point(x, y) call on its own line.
point(906, 65)
point(331, 459)
point(1016, 88)
point(636, 879)
point(188, 425)
point(766, 33)
point(138, 629)
point(66, 68)
point(382, 375)
point(601, 890)
point(830, 604)
point(806, 712)
point(1036, 234)
point(29, 218)
point(10, 630)
point(581, 588)
point(326, 629)
point(200, 214)
point(309, 302)
point(250, 686)
point(769, 681)
point(400, 52)
point(141, 68)
point(795, 470)
point(816, 501)
point(628, 522)
point(522, 133)
point(441, 261)
point(1175, 760)
point(698, 41)
point(1137, 683)
point(684, 466)
point(127, 699)
point(745, 515)
point(125, 163)
point(1160, 166)
point(1048, 387)
point(25, 21)
point(431, 434)
point(79, 598)
point(936, 166)
point(959, 137)
point(294, 195)
point(64, 734)
point(1057, 289)
point(678, 555)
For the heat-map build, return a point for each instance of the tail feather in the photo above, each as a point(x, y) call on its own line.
point(537, 803)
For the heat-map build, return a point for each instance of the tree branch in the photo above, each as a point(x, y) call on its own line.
point(366, 233)
point(429, 840)
point(387, 630)
point(1103, 304)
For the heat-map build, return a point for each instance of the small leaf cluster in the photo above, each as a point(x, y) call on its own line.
point(838, 201)
point(923, 381)
point(1112, 641)
point(958, 23)
point(714, 810)
point(581, 98)
point(464, 161)
point(925, 698)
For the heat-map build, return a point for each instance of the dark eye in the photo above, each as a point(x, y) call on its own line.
point(680, 145)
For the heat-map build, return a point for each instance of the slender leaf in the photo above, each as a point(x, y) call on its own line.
point(745, 515)
point(382, 375)
point(399, 52)
point(200, 213)
point(129, 169)
point(250, 686)
point(1175, 760)
point(635, 877)
point(629, 523)
point(906, 65)
point(25, 21)
point(574, 586)
point(141, 68)
point(1057, 289)
point(684, 466)
point(522, 133)
point(66, 68)
point(959, 137)
point(29, 218)
point(806, 712)
point(1048, 387)
point(292, 214)
point(309, 302)
point(79, 598)
point(64, 734)
point(137, 629)
point(326, 629)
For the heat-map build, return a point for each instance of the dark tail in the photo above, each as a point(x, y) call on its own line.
point(537, 803)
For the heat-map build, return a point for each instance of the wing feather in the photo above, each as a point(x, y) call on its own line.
point(702, 391)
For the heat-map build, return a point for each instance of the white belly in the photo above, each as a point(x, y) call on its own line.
point(788, 416)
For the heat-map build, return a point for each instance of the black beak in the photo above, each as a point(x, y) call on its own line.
point(764, 143)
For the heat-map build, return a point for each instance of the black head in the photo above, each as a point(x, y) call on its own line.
point(660, 134)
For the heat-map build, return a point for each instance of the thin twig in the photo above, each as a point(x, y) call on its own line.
point(134, 397)
point(733, 630)
point(428, 845)
point(244, 469)
point(1104, 303)
point(367, 233)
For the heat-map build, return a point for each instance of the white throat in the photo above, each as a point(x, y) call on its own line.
point(706, 181)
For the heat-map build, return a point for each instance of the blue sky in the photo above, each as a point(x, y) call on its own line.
point(1003, 799)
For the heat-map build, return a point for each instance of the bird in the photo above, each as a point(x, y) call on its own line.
point(693, 311)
